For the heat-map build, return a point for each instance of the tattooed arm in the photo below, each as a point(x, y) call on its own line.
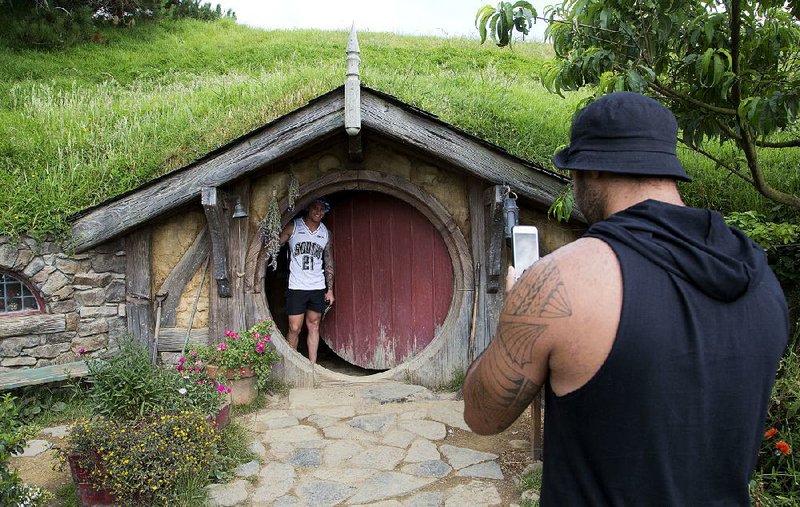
point(503, 381)
point(286, 233)
point(327, 257)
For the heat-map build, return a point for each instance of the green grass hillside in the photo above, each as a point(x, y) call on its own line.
point(81, 125)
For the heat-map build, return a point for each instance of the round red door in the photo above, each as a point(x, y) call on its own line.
point(394, 280)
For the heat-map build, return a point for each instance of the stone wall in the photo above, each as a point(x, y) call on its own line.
point(84, 296)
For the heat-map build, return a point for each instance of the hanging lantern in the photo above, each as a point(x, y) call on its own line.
point(510, 212)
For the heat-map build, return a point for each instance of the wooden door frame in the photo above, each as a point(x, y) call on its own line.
point(446, 340)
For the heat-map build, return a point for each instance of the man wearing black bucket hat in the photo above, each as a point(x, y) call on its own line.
point(311, 269)
point(657, 335)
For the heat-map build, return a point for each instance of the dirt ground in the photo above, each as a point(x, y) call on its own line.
point(39, 471)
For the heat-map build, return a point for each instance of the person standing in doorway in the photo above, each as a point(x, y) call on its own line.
point(656, 336)
point(311, 270)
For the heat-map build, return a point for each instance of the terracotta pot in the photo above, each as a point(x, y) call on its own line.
point(243, 391)
point(88, 496)
point(222, 417)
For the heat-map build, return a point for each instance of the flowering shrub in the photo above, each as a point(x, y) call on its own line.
point(778, 472)
point(247, 349)
point(141, 461)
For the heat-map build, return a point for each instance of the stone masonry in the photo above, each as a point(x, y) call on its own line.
point(84, 296)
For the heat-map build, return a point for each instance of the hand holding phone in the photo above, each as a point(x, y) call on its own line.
point(525, 245)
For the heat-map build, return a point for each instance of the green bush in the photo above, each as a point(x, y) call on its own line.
point(63, 23)
point(13, 435)
point(781, 241)
point(127, 386)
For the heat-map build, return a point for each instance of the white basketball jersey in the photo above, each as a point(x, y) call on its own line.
point(305, 256)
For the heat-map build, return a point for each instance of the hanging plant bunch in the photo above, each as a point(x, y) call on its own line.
point(294, 190)
point(270, 229)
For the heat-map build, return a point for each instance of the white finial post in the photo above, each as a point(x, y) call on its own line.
point(352, 87)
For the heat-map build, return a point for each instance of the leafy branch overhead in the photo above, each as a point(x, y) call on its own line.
point(498, 23)
point(729, 70)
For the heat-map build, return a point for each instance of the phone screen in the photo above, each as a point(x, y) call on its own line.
point(525, 242)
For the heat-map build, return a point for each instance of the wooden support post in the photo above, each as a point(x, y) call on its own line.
point(238, 241)
point(494, 238)
point(229, 240)
point(137, 281)
point(212, 199)
point(537, 440)
point(477, 218)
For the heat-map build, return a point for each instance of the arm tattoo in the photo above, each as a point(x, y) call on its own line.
point(503, 387)
point(543, 296)
point(497, 390)
point(327, 258)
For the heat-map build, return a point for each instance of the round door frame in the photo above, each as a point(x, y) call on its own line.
point(296, 368)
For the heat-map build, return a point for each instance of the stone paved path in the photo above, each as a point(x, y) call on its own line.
point(360, 444)
point(374, 444)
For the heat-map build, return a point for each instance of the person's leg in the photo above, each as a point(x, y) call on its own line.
point(295, 308)
point(295, 326)
point(312, 323)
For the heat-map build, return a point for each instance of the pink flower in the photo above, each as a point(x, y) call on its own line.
point(221, 388)
point(193, 353)
point(222, 346)
point(179, 367)
point(182, 360)
point(257, 336)
point(198, 363)
point(227, 390)
point(229, 333)
point(268, 338)
point(81, 351)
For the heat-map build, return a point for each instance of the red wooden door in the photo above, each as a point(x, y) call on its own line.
point(394, 280)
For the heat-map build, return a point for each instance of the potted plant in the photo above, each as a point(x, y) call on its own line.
point(138, 461)
point(150, 427)
point(243, 359)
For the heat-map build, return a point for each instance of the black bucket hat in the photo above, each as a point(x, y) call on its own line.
point(626, 133)
point(325, 204)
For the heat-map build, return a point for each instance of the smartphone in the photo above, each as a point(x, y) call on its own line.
point(525, 245)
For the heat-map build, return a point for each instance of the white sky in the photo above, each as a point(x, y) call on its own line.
point(442, 18)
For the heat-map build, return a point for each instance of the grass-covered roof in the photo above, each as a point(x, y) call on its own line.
point(81, 125)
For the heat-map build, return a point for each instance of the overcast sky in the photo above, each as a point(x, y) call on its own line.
point(442, 18)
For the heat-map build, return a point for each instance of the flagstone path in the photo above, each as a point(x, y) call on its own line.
point(380, 444)
point(386, 444)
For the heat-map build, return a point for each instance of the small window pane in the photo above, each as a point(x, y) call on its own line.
point(15, 296)
point(30, 303)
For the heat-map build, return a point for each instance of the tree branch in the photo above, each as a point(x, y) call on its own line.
point(794, 143)
point(718, 161)
point(728, 131)
point(668, 92)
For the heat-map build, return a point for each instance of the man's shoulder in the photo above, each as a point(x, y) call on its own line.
point(582, 254)
point(588, 268)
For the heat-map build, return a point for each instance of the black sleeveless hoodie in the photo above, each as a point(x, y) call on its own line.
point(675, 415)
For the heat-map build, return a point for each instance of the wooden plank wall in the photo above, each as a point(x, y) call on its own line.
point(141, 321)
